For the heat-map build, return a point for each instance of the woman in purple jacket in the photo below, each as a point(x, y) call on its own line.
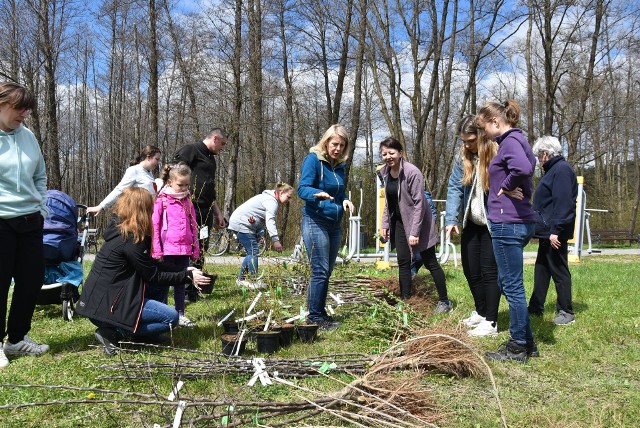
point(407, 220)
point(512, 219)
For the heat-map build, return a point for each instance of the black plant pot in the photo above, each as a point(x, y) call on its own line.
point(230, 343)
point(307, 332)
point(286, 334)
point(230, 327)
point(208, 289)
point(268, 342)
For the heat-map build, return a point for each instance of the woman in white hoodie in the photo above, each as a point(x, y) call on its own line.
point(23, 197)
point(249, 219)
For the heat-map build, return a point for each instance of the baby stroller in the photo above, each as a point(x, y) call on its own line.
point(63, 252)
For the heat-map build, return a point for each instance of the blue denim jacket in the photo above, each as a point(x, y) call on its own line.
point(458, 197)
point(319, 176)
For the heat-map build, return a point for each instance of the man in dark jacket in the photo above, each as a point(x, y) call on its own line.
point(201, 160)
point(555, 203)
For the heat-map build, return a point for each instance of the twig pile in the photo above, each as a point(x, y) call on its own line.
point(212, 365)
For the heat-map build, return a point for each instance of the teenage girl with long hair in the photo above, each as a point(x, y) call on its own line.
point(467, 195)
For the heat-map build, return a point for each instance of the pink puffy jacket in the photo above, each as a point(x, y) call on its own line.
point(175, 231)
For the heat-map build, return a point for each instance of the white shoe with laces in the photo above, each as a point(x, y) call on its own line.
point(185, 322)
point(26, 346)
point(484, 329)
point(244, 283)
point(4, 361)
point(473, 320)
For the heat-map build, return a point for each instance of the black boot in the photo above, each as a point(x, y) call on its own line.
point(509, 351)
point(109, 338)
point(532, 350)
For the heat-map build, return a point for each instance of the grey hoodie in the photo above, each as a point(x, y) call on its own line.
point(251, 216)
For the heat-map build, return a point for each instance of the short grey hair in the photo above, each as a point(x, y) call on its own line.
point(548, 144)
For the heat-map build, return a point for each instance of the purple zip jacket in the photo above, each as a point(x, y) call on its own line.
point(512, 167)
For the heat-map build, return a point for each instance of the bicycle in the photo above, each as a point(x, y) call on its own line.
point(223, 240)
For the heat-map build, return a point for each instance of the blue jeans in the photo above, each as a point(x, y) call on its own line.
point(509, 240)
point(250, 263)
point(156, 318)
point(322, 242)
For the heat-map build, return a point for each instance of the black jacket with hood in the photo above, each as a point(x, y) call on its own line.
point(114, 290)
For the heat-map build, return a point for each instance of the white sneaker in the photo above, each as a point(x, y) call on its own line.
point(259, 284)
point(473, 320)
point(244, 283)
point(25, 347)
point(4, 361)
point(484, 329)
point(185, 322)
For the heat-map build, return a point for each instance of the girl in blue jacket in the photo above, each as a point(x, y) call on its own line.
point(322, 188)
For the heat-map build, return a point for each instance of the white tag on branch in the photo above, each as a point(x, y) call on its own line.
point(330, 309)
point(297, 317)
point(337, 298)
point(259, 372)
point(175, 391)
point(250, 317)
point(177, 419)
point(226, 317)
point(266, 325)
point(255, 300)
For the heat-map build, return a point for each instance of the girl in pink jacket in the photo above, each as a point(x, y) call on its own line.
point(175, 232)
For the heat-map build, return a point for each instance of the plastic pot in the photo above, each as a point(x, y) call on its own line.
point(268, 342)
point(208, 289)
point(230, 327)
point(307, 332)
point(230, 343)
point(286, 334)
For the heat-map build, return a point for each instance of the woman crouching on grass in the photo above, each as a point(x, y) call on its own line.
point(113, 294)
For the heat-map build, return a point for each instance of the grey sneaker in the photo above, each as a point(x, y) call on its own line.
point(25, 347)
point(185, 322)
point(4, 361)
point(443, 307)
point(564, 318)
point(509, 351)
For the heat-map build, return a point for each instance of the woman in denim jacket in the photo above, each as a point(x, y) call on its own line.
point(322, 188)
point(467, 194)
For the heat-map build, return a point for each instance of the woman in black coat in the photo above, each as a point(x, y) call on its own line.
point(113, 294)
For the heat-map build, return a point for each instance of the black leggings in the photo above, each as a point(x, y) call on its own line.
point(429, 260)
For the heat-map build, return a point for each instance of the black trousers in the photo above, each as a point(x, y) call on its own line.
point(551, 263)
point(480, 269)
point(429, 260)
point(21, 258)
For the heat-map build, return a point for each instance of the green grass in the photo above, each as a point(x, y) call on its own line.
point(588, 373)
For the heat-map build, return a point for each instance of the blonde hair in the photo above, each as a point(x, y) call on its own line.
point(487, 150)
point(283, 187)
point(172, 171)
point(336, 130)
point(509, 111)
point(134, 208)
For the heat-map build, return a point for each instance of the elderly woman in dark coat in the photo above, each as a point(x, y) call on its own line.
point(555, 203)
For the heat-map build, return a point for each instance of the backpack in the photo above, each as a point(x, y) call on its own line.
point(434, 211)
point(60, 228)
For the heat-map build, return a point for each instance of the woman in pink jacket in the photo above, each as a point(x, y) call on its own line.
point(175, 233)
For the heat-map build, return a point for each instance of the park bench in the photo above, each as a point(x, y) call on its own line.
point(615, 236)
